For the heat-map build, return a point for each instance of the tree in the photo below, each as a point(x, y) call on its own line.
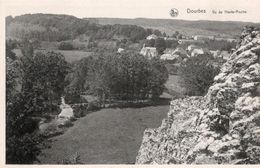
point(197, 74)
point(159, 76)
point(150, 43)
point(126, 76)
point(21, 144)
point(43, 77)
point(164, 34)
point(160, 45)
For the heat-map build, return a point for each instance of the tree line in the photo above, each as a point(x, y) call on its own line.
point(48, 27)
point(110, 76)
point(34, 84)
point(36, 81)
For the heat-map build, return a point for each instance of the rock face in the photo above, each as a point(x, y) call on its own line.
point(222, 127)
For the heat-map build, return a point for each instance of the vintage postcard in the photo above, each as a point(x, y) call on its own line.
point(130, 82)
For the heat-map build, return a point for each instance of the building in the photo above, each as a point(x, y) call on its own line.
point(170, 57)
point(176, 55)
point(191, 47)
point(149, 51)
point(169, 38)
point(215, 53)
point(203, 37)
point(152, 36)
point(199, 51)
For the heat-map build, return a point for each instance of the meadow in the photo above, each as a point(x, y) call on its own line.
point(108, 136)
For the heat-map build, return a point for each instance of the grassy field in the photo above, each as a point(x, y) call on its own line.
point(70, 56)
point(108, 136)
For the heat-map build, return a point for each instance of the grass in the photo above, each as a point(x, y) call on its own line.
point(108, 136)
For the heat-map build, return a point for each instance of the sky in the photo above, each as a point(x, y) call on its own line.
point(138, 8)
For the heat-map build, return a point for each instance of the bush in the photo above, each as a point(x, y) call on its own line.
point(172, 68)
point(65, 46)
point(94, 105)
point(197, 74)
point(72, 95)
point(79, 110)
point(22, 150)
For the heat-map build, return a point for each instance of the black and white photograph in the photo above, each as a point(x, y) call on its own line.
point(130, 82)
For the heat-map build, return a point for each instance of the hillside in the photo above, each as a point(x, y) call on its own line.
point(223, 28)
point(53, 27)
point(220, 128)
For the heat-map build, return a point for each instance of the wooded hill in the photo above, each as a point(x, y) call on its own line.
point(52, 27)
point(169, 26)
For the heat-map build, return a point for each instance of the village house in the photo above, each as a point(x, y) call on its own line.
point(215, 53)
point(150, 52)
point(169, 38)
point(176, 55)
point(152, 36)
point(199, 51)
point(191, 47)
point(203, 37)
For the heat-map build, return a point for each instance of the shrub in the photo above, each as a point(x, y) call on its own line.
point(94, 105)
point(197, 74)
point(65, 46)
point(79, 110)
point(72, 95)
point(23, 149)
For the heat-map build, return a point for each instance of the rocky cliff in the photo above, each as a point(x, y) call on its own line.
point(219, 128)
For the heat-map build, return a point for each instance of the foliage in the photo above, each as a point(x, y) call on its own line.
point(150, 43)
point(93, 105)
point(20, 142)
point(221, 45)
point(41, 77)
point(171, 43)
point(126, 76)
point(197, 74)
point(22, 150)
point(79, 110)
point(160, 45)
point(49, 27)
point(65, 46)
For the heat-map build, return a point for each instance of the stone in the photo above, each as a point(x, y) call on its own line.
point(223, 127)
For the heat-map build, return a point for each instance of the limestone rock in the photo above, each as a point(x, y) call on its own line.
point(222, 127)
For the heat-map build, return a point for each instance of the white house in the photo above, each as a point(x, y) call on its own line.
point(199, 51)
point(152, 36)
point(149, 51)
point(174, 55)
point(191, 47)
point(203, 37)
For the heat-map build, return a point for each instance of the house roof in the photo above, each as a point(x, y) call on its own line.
point(152, 36)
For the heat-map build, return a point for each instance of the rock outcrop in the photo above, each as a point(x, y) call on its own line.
point(222, 127)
